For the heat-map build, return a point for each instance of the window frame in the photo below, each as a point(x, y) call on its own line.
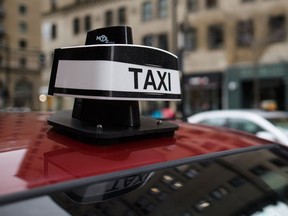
point(278, 33)
point(148, 40)
point(210, 4)
point(23, 62)
point(163, 37)
point(23, 27)
point(244, 30)
point(192, 5)
point(162, 8)
point(22, 44)
point(147, 13)
point(53, 33)
point(109, 18)
point(122, 16)
point(53, 5)
point(22, 9)
point(76, 26)
point(190, 39)
point(215, 36)
point(87, 23)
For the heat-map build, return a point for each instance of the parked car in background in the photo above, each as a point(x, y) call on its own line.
point(202, 170)
point(271, 125)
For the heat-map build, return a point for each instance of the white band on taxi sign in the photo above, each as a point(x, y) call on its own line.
point(99, 77)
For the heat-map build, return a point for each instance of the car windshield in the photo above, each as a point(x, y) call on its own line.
point(281, 123)
point(252, 184)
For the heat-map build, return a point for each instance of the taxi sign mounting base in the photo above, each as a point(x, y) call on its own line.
point(149, 127)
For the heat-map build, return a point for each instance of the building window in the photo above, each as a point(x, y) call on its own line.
point(42, 59)
point(162, 8)
point(215, 36)
point(211, 4)
point(53, 5)
point(277, 28)
point(245, 33)
point(190, 39)
point(22, 44)
point(1, 65)
point(51, 57)
point(76, 26)
point(2, 30)
point(23, 93)
point(146, 11)
point(108, 18)
point(192, 5)
point(163, 41)
point(22, 9)
point(122, 16)
point(87, 23)
point(22, 27)
point(53, 31)
point(22, 62)
point(148, 40)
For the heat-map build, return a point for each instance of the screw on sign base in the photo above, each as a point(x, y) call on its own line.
point(107, 77)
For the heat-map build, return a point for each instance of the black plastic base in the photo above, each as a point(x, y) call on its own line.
point(149, 127)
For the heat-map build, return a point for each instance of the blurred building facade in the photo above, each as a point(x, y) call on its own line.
point(232, 53)
point(235, 54)
point(20, 56)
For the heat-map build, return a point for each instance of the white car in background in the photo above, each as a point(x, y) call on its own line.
point(270, 125)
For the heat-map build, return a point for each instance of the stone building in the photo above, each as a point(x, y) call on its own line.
point(20, 56)
point(235, 54)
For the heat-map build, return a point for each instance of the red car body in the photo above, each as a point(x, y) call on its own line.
point(35, 158)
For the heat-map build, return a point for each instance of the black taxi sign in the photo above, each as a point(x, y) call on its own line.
point(116, 72)
point(108, 77)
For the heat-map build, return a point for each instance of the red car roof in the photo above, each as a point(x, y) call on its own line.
point(33, 156)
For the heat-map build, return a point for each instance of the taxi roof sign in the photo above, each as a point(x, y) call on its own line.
point(115, 72)
point(107, 77)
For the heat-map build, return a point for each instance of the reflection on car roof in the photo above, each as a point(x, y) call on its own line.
point(40, 159)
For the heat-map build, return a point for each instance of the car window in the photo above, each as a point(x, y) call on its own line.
point(214, 122)
point(281, 123)
point(244, 125)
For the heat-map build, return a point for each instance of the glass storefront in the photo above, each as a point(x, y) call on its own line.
point(256, 94)
point(250, 87)
point(202, 92)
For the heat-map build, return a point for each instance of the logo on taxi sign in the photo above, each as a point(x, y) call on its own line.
point(102, 39)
